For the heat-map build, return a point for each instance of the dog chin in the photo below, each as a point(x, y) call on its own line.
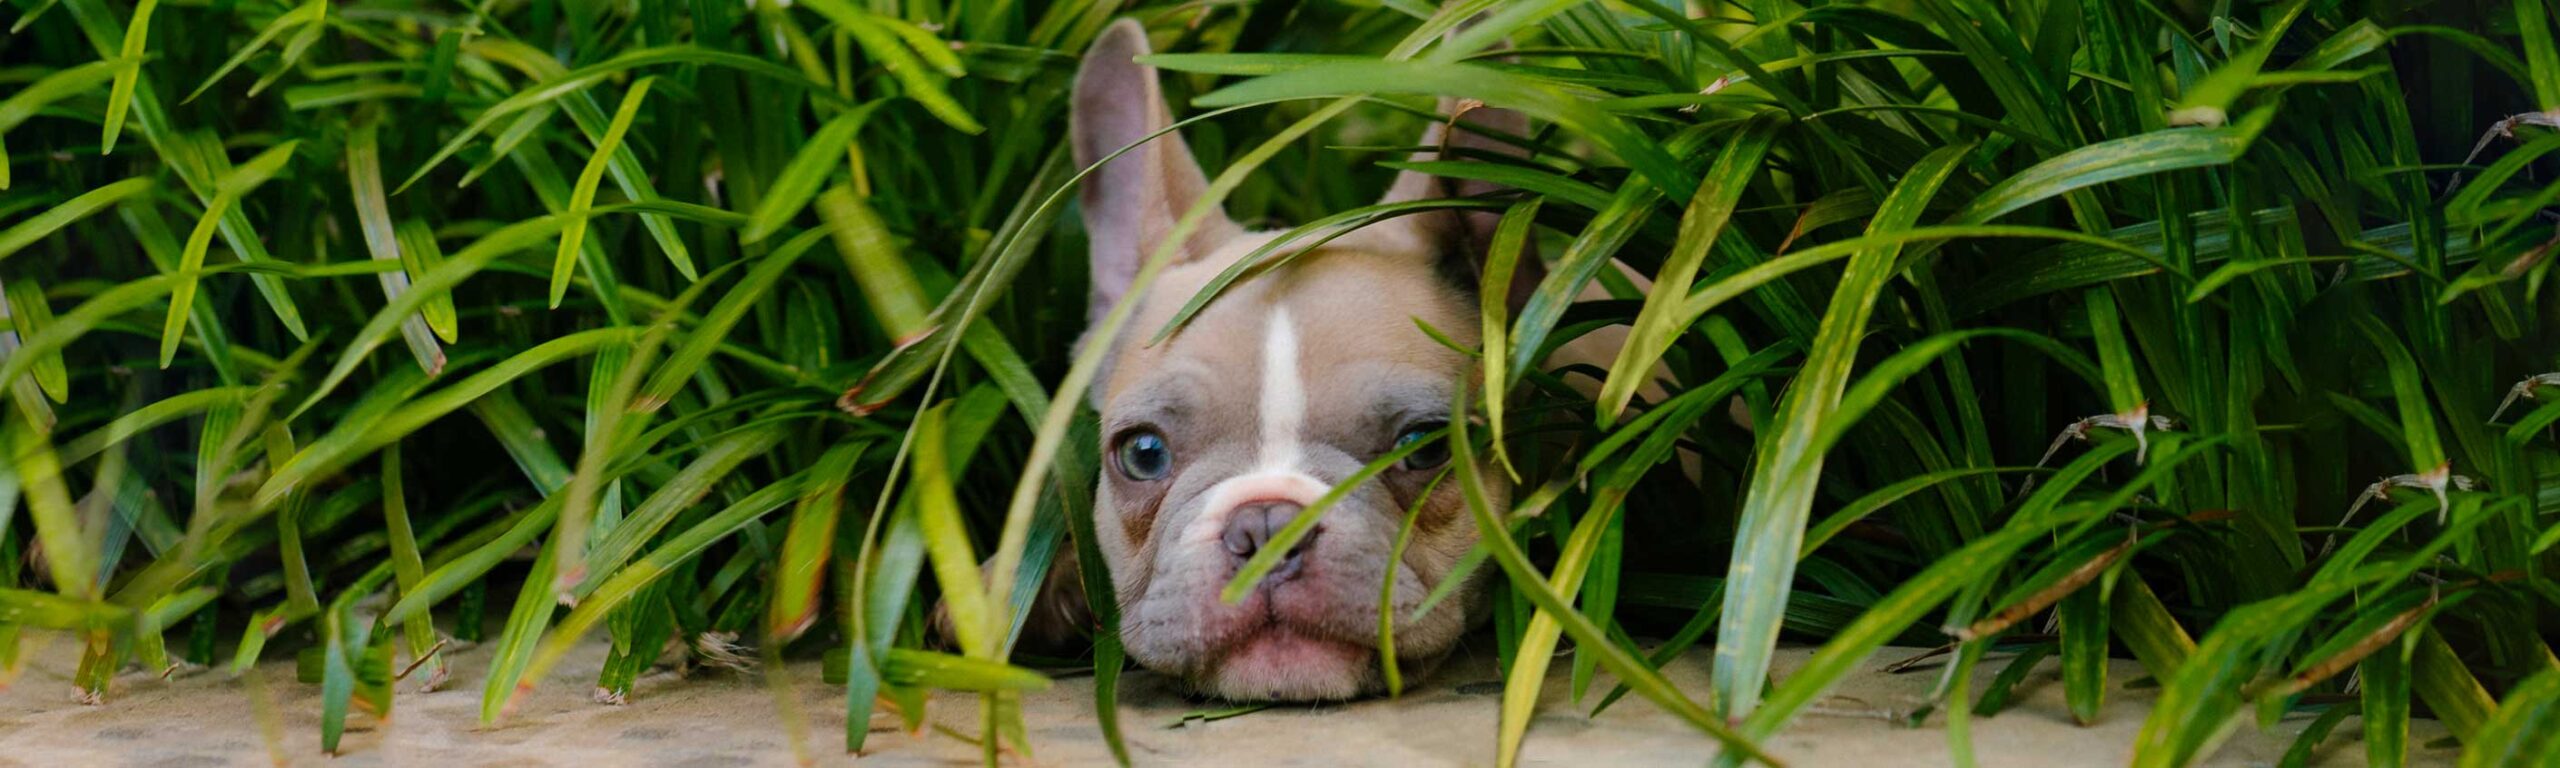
point(1282, 664)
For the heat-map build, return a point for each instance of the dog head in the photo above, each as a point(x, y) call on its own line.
point(1279, 389)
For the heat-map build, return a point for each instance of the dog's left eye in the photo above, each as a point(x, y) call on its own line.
point(1144, 456)
point(1428, 456)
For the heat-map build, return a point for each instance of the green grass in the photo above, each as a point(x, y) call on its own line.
point(756, 322)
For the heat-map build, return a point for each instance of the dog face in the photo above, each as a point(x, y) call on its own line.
point(1279, 389)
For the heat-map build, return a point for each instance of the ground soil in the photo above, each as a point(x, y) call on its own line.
point(734, 719)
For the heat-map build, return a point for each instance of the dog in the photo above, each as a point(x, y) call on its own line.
point(1279, 389)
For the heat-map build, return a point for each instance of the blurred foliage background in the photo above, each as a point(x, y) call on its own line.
point(2209, 334)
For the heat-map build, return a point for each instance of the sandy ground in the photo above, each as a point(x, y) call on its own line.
point(737, 720)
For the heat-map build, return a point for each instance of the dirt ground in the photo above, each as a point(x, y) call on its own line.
point(730, 719)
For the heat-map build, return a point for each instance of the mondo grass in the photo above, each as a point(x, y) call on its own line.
point(2208, 335)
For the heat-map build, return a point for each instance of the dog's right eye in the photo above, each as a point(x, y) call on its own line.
point(1429, 456)
point(1143, 456)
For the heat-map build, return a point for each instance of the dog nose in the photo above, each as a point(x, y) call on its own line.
point(1254, 524)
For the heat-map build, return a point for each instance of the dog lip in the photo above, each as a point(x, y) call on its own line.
point(1289, 607)
point(1277, 660)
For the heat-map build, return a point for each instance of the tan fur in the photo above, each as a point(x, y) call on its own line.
point(1222, 396)
point(1354, 305)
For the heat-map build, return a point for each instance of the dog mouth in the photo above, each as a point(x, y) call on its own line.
point(1276, 660)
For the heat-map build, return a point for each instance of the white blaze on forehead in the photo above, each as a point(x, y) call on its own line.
point(1284, 394)
point(1277, 474)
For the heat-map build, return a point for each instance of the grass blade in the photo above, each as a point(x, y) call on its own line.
point(137, 37)
point(36, 228)
point(1640, 677)
point(2168, 150)
point(382, 239)
point(1661, 322)
point(29, 313)
point(2526, 729)
point(808, 170)
point(1781, 495)
point(228, 191)
point(583, 196)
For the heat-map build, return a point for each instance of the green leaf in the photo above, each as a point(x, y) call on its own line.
point(2384, 682)
point(556, 88)
point(2207, 101)
point(582, 197)
point(305, 13)
point(36, 228)
point(228, 191)
point(590, 118)
point(708, 335)
point(2084, 651)
point(470, 566)
point(2042, 514)
point(872, 255)
point(1781, 493)
point(137, 37)
point(70, 558)
point(2526, 728)
point(678, 493)
point(946, 539)
point(51, 88)
point(2409, 392)
point(419, 255)
point(408, 566)
point(1880, 498)
point(880, 39)
point(801, 569)
point(1661, 321)
point(294, 48)
point(383, 242)
point(807, 171)
point(1510, 237)
point(349, 442)
point(54, 86)
point(515, 647)
point(2129, 157)
point(1524, 577)
point(471, 259)
point(1387, 665)
point(2542, 56)
point(2115, 356)
point(51, 611)
point(1109, 657)
point(2306, 744)
point(1493, 87)
point(136, 421)
point(958, 673)
point(108, 304)
point(628, 579)
point(29, 313)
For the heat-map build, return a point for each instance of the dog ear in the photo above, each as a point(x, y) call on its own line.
point(1465, 128)
point(1132, 202)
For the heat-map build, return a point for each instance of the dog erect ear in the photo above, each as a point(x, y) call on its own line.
point(1130, 205)
point(1465, 128)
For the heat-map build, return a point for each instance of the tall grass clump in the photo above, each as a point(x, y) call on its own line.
point(2205, 334)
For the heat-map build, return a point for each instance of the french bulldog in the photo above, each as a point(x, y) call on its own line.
point(1283, 386)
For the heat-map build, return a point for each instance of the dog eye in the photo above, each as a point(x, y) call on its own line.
point(1428, 456)
point(1144, 456)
